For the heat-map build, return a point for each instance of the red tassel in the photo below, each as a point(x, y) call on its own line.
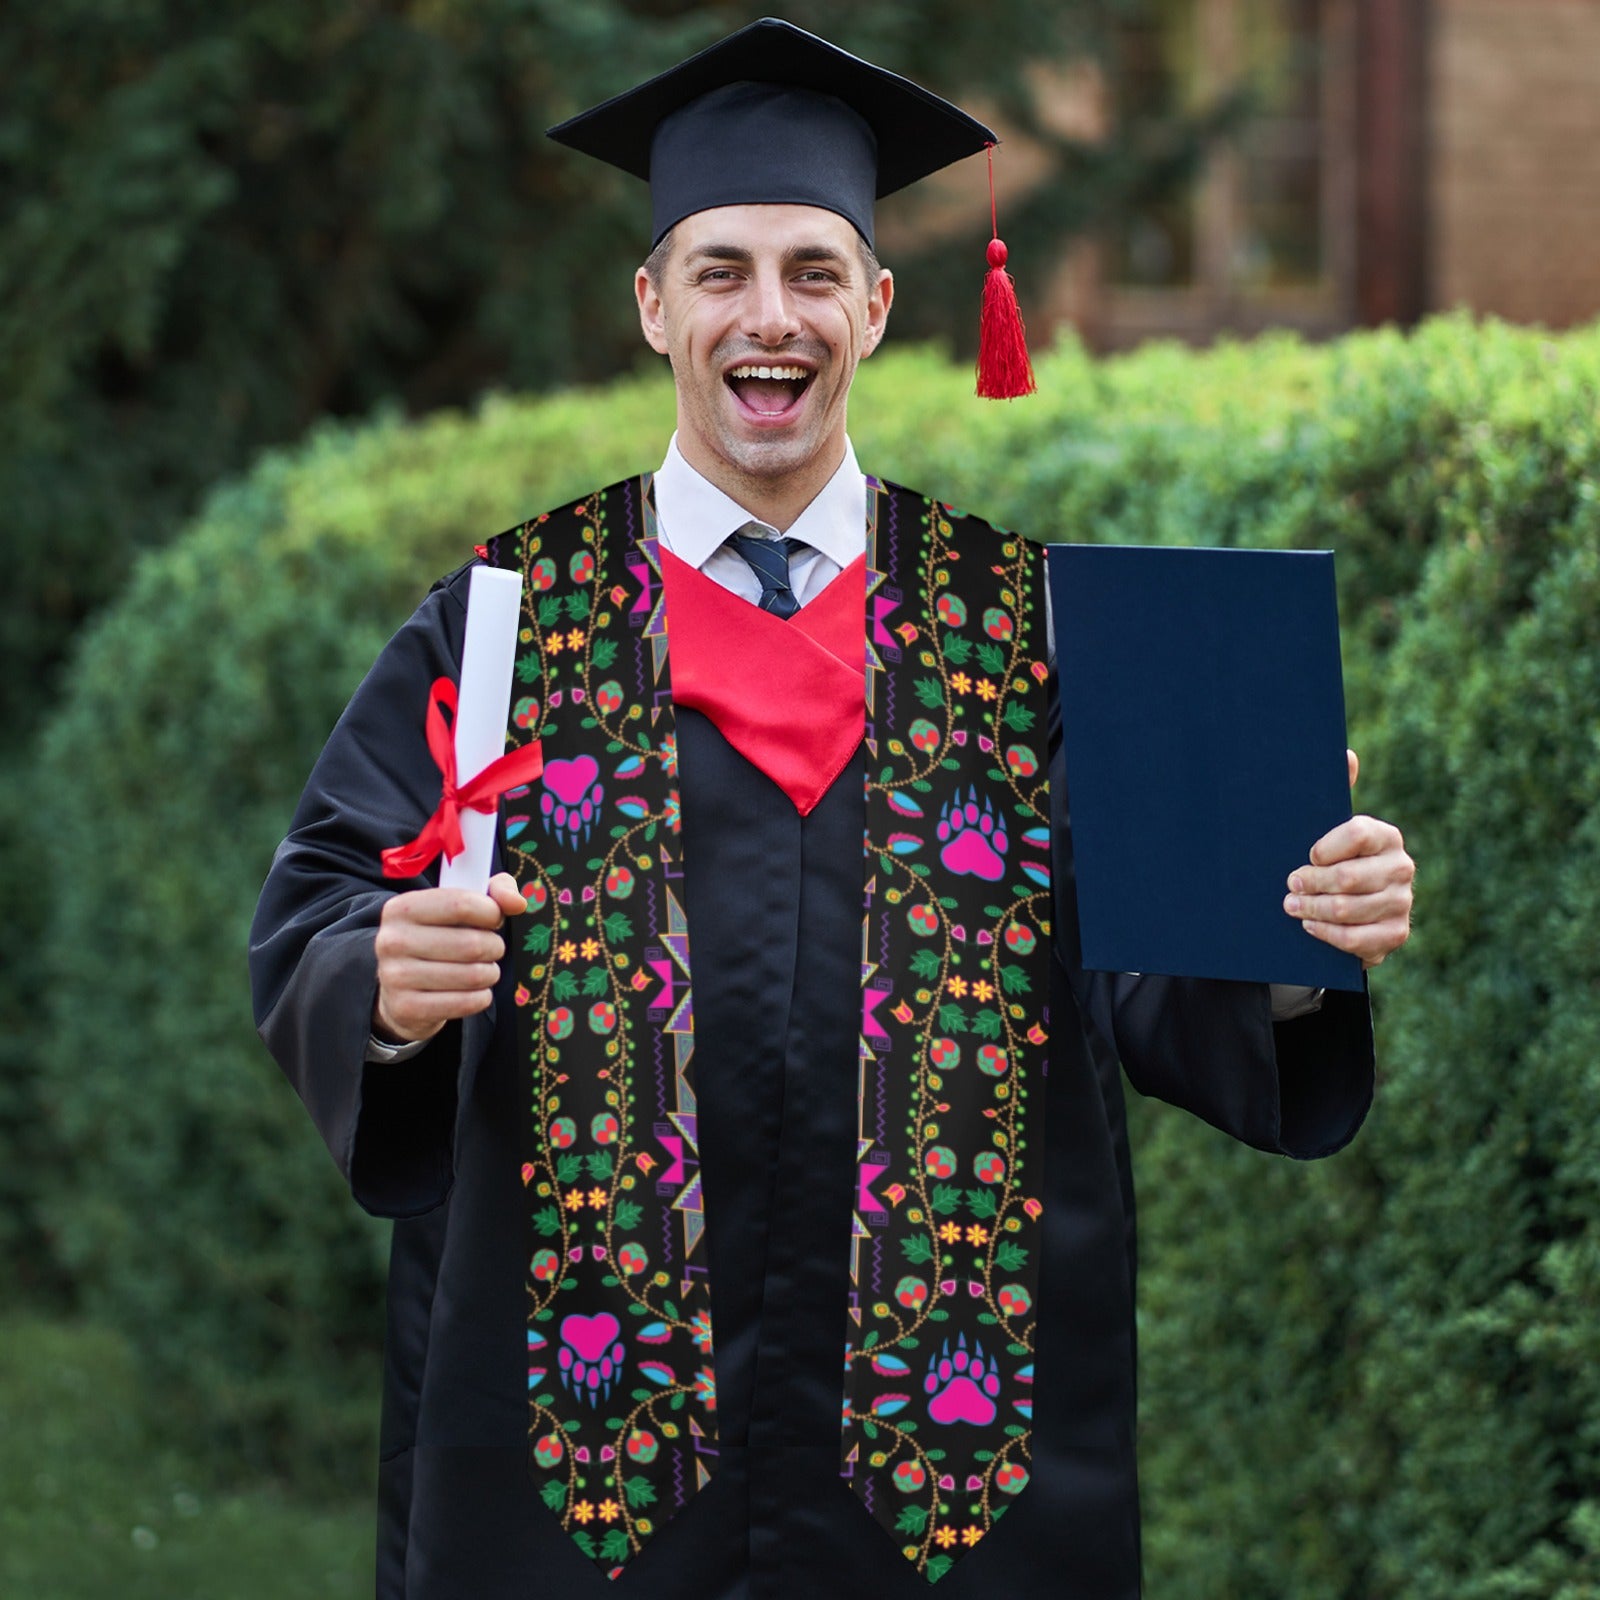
point(1004, 370)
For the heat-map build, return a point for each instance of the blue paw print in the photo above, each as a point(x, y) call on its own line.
point(974, 839)
point(964, 1384)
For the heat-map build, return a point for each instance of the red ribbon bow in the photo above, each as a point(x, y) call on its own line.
point(442, 831)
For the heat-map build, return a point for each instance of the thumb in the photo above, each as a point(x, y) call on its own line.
point(1354, 762)
point(504, 892)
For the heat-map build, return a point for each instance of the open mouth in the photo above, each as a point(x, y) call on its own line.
point(769, 391)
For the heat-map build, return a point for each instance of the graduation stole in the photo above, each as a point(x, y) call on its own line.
point(939, 1333)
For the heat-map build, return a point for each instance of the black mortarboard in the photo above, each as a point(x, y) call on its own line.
point(774, 115)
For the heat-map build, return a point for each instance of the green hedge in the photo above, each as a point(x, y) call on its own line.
point(1371, 1378)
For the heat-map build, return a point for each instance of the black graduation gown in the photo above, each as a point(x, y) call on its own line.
point(773, 902)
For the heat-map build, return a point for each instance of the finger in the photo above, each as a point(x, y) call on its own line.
point(1388, 903)
point(434, 977)
point(449, 908)
point(426, 941)
point(1353, 761)
point(1360, 836)
point(414, 1015)
point(1371, 942)
point(1357, 875)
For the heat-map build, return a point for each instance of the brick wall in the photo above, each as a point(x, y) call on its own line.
point(1514, 177)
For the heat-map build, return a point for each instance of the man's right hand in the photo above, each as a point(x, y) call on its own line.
point(438, 957)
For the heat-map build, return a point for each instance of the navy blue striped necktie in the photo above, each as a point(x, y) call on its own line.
point(769, 560)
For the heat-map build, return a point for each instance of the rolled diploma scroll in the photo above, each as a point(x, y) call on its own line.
point(494, 610)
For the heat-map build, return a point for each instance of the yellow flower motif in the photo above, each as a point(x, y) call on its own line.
point(945, 1536)
point(574, 1199)
point(986, 691)
point(950, 1232)
point(977, 1235)
point(583, 1512)
point(970, 1536)
point(590, 948)
point(958, 987)
point(566, 950)
point(962, 684)
point(575, 640)
point(598, 1198)
point(983, 990)
point(554, 645)
point(609, 1511)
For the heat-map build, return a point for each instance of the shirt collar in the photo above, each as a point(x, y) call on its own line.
point(695, 517)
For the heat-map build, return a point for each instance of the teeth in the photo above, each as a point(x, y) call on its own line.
point(798, 374)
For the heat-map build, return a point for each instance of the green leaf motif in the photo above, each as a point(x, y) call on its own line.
point(564, 986)
point(1010, 1256)
point(615, 1547)
point(912, 1520)
point(1015, 980)
point(945, 1198)
point(981, 1203)
point(638, 1492)
point(1018, 717)
point(547, 1222)
point(529, 667)
point(554, 1494)
point(618, 927)
point(988, 1023)
point(596, 982)
point(605, 652)
point(952, 1018)
point(628, 1215)
point(957, 650)
point(938, 1567)
point(925, 965)
point(578, 604)
point(569, 1168)
point(600, 1165)
point(992, 657)
point(929, 691)
point(537, 939)
point(917, 1248)
point(584, 1543)
point(549, 611)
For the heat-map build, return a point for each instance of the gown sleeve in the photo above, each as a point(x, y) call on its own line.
point(313, 964)
point(1300, 1088)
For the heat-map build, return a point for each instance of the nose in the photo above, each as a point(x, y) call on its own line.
point(771, 318)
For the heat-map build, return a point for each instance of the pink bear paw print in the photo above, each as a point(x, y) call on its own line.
point(974, 839)
point(964, 1385)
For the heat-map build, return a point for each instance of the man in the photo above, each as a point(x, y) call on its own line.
point(743, 1246)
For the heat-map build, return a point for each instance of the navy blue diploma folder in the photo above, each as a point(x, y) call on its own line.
point(1202, 713)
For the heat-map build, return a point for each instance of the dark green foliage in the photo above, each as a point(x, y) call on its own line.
point(1369, 1379)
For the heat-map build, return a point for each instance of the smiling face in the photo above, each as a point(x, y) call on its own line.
point(764, 311)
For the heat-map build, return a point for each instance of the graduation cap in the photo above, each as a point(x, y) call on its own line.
point(773, 115)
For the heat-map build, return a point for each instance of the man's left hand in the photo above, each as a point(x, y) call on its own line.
point(1355, 893)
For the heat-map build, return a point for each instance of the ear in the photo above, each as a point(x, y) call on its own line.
point(879, 300)
point(652, 315)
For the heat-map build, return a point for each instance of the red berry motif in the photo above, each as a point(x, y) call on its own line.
point(924, 920)
point(1011, 1478)
point(944, 1054)
point(993, 1060)
point(546, 1264)
point(542, 575)
point(563, 1133)
point(602, 1016)
point(604, 1128)
point(924, 735)
point(582, 567)
point(911, 1293)
point(643, 1446)
point(1015, 1301)
point(560, 1023)
point(526, 712)
point(632, 1260)
point(1022, 761)
point(608, 697)
point(1020, 939)
point(989, 1167)
point(619, 882)
point(952, 610)
point(549, 1451)
point(997, 623)
point(941, 1162)
point(910, 1476)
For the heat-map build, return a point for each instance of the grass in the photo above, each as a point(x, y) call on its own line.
point(92, 1502)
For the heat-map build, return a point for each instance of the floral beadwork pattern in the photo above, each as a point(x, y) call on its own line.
point(938, 1358)
point(944, 1259)
point(621, 1392)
